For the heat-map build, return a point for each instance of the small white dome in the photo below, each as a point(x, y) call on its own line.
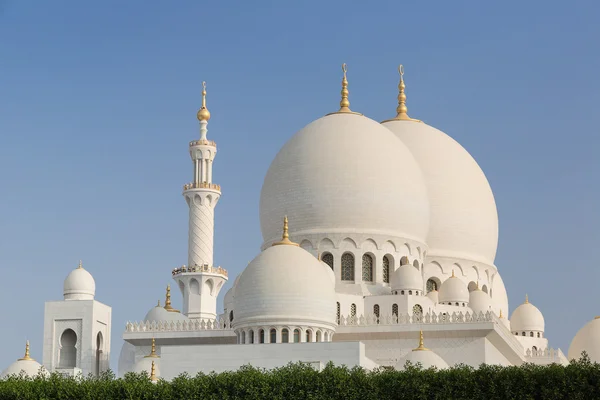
point(433, 296)
point(285, 285)
point(479, 301)
point(344, 173)
point(454, 290)
point(159, 313)
point(25, 365)
point(145, 365)
point(424, 356)
point(79, 285)
point(406, 277)
point(588, 340)
point(527, 318)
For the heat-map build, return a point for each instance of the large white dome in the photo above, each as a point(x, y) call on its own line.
point(285, 285)
point(464, 219)
point(588, 340)
point(79, 285)
point(345, 173)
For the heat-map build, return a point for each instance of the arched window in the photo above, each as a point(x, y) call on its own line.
point(318, 336)
point(99, 344)
point(395, 310)
point(273, 336)
point(347, 267)
point(376, 312)
point(534, 348)
point(296, 335)
point(261, 336)
point(327, 258)
point(418, 312)
point(416, 264)
point(252, 337)
point(243, 337)
point(539, 335)
point(231, 316)
point(404, 261)
point(530, 334)
point(431, 285)
point(367, 268)
point(285, 336)
point(386, 269)
point(353, 310)
point(338, 313)
point(308, 335)
point(325, 336)
point(402, 292)
point(410, 292)
point(523, 334)
point(68, 352)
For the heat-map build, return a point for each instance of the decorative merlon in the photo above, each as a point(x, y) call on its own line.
point(199, 268)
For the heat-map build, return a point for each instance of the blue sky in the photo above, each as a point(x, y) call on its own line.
point(98, 104)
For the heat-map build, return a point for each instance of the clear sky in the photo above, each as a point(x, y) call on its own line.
point(98, 102)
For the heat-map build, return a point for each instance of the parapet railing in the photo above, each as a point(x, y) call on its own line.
point(201, 142)
point(201, 185)
point(199, 268)
point(416, 318)
point(178, 326)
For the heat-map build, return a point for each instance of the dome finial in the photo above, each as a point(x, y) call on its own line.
point(421, 343)
point(526, 299)
point(80, 264)
point(401, 110)
point(285, 238)
point(153, 377)
point(477, 285)
point(203, 113)
point(152, 350)
point(168, 301)
point(501, 314)
point(344, 103)
point(26, 357)
point(453, 276)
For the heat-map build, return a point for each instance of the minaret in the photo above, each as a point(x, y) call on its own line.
point(200, 281)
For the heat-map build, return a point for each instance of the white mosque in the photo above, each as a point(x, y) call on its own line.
point(379, 248)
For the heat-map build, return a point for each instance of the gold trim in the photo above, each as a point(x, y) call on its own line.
point(285, 239)
point(153, 377)
point(203, 113)
point(401, 110)
point(153, 351)
point(344, 103)
point(526, 299)
point(168, 301)
point(421, 343)
point(26, 357)
point(501, 316)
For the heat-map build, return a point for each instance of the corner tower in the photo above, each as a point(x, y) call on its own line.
point(200, 281)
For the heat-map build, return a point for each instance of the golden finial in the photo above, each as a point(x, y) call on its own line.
point(401, 110)
point(597, 317)
point(80, 265)
point(453, 276)
point(158, 305)
point(421, 343)
point(501, 314)
point(168, 301)
point(153, 377)
point(344, 103)
point(203, 113)
point(526, 299)
point(477, 283)
point(26, 357)
point(152, 350)
point(285, 238)
point(319, 256)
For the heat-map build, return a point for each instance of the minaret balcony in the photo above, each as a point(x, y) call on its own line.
point(203, 142)
point(202, 185)
point(200, 268)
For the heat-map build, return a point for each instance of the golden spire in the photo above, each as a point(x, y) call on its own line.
point(168, 300)
point(80, 264)
point(285, 238)
point(152, 351)
point(153, 377)
point(421, 343)
point(453, 276)
point(401, 110)
point(501, 314)
point(526, 299)
point(26, 357)
point(344, 103)
point(203, 113)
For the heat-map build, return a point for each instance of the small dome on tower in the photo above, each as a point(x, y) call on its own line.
point(423, 356)
point(479, 301)
point(527, 318)
point(283, 285)
point(587, 339)
point(25, 365)
point(79, 285)
point(454, 290)
point(406, 277)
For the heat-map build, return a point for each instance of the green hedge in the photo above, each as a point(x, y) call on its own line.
point(578, 380)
